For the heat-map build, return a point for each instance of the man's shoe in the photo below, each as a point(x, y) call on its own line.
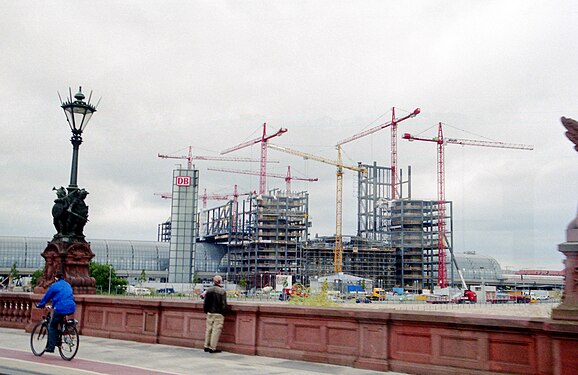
point(207, 350)
point(48, 350)
point(215, 351)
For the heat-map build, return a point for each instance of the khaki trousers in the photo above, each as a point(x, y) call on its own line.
point(213, 331)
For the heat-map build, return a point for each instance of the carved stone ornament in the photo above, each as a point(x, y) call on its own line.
point(568, 309)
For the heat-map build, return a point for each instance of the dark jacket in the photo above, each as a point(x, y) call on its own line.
point(215, 300)
point(60, 292)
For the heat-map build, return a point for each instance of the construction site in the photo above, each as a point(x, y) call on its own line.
point(400, 242)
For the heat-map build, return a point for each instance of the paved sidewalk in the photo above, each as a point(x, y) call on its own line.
point(106, 356)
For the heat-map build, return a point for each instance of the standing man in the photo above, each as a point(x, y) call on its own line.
point(60, 292)
point(215, 306)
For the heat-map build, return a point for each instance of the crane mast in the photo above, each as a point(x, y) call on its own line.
point(441, 143)
point(338, 252)
point(442, 271)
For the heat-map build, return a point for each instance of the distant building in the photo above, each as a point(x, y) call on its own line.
point(128, 258)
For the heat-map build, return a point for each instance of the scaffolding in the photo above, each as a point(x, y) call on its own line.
point(408, 226)
point(263, 236)
point(412, 229)
point(267, 234)
point(374, 191)
point(164, 231)
point(362, 257)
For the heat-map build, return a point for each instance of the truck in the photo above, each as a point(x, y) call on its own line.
point(497, 298)
point(449, 295)
point(520, 298)
point(378, 294)
point(468, 296)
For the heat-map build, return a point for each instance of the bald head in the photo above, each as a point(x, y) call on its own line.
point(217, 280)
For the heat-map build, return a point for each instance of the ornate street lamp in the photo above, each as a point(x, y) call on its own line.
point(68, 252)
point(78, 114)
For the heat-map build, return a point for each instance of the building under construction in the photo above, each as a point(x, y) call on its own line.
point(362, 257)
point(397, 241)
point(263, 235)
point(413, 231)
point(408, 227)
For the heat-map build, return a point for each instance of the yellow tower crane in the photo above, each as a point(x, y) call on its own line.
point(338, 248)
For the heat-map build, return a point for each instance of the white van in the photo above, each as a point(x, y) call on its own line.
point(131, 289)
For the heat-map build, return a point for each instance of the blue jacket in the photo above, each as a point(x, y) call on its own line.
point(60, 292)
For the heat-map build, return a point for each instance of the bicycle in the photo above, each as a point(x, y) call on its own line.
point(67, 340)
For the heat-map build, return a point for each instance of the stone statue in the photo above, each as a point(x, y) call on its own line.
point(571, 126)
point(571, 130)
point(568, 309)
point(59, 209)
point(70, 212)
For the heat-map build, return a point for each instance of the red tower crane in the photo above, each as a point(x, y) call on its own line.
point(205, 197)
point(235, 201)
point(217, 197)
point(190, 157)
point(441, 142)
point(393, 123)
point(263, 140)
point(287, 177)
point(223, 197)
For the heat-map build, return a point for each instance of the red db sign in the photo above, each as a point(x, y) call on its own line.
point(183, 181)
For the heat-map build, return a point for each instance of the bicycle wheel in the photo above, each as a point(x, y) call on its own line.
point(69, 342)
point(39, 338)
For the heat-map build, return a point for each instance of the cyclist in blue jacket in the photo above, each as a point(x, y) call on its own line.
point(60, 292)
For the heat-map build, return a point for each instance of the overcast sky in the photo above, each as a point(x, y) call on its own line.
point(210, 73)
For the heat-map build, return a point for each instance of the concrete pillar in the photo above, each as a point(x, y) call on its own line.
point(568, 309)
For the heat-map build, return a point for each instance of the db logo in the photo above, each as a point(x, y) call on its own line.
point(183, 181)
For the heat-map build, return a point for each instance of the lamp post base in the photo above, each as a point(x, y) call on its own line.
point(71, 259)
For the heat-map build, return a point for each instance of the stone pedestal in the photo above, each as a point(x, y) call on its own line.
point(568, 309)
point(71, 259)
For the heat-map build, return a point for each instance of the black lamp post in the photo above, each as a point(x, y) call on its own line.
point(68, 252)
point(78, 114)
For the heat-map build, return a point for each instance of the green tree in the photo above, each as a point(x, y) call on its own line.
point(143, 277)
point(36, 276)
point(195, 278)
point(243, 282)
point(14, 274)
point(103, 273)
